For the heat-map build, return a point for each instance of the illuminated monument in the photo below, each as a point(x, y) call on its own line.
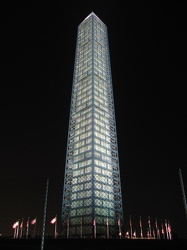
point(92, 200)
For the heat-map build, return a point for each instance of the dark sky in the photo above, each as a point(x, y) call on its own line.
point(148, 60)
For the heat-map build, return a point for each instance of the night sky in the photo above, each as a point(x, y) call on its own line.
point(148, 60)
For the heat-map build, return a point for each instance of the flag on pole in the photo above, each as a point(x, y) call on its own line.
point(149, 222)
point(141, 233)
point(119, 225)
point(33, 221)
point(162, 230)
point(134, 234)
point(16, 224)
point(157, 229)
point(21, 227)
point(53, 220)
point(127, 234)
point(169, 230)
point(27, 226)
point(16, 229)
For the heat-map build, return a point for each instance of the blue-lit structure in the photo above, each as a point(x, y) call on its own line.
point(92, 199)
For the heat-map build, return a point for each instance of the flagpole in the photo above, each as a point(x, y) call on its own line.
point(158, 233)
point(149, 222)
point(44, 216)
point(167, 232)
point(157, 229)
point(169, 229)
point(56, 227)
point(163, 234)
point(130, 227)
point(16, 229)
point(134, 234)
point(35, 229)
point(141, 232)
point(27, 233)
point(119, 226)
point(21, 233)
point(14, 232)
point(17, 232)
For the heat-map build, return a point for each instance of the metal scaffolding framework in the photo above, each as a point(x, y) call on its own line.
point(92, 199)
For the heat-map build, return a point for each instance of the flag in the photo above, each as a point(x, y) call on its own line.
point(16, 224)
point(53, 220)
point(33, 221)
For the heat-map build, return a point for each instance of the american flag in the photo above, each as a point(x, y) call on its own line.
point(16, 224)
point(33, 221)
point(53, 220)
